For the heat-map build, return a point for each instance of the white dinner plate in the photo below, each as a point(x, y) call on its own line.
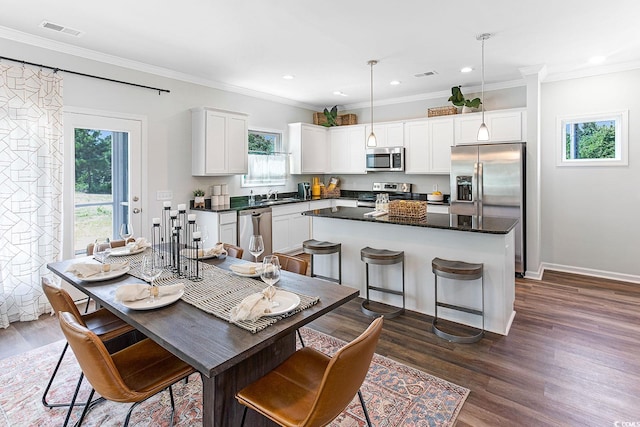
point(256, 274)
point(284, 302)
point(161, 301)
point(106, 275)
point(189, 253)
point(124, 251)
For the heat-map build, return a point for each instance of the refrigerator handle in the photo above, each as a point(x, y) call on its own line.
point(480, 181)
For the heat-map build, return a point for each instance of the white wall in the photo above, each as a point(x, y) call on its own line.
point(589, 214)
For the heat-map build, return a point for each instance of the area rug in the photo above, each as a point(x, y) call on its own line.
point(395, 394)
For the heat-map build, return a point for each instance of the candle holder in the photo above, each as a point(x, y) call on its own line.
point(182, 217)
point(174, 241)
point(165, 235)
point(156, 237)
point(194, 262)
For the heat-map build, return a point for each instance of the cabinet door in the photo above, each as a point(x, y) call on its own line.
point(237, 145)
point(504, 126)
point(347, 150)
point(299, 226)
point(228, 234)
point(394, 135)
point(314, 149)
point(280, 233)
point(215, 147)
point(441, 138)
point(466, 128)
point(417, 147)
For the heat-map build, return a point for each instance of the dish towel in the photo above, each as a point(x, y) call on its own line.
point(246, 268)
point(138, 291)
point(254, 306)
point(137, 244)
point(83, 270)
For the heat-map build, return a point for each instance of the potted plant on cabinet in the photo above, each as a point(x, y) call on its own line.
point(198, 198)
point(458, 99)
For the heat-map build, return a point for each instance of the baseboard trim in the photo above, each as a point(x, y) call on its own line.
point(585, 272)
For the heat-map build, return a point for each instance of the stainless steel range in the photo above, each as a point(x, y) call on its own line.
point(396, 191)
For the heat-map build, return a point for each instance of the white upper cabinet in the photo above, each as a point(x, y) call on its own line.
point(504, 126)
point(309, 148)
point(388, 134)
point(428, 146)
point(219, 142)
point(347, 150)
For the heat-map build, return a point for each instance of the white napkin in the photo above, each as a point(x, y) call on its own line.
point(83, 270)
point(137, 291)
point(246, 268)
point(254, 306)
point(132, 246)
point(217, 250)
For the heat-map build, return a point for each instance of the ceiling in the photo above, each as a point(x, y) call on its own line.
point(249, 45)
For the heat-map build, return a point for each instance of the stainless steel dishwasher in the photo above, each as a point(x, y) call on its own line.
point(254, 221)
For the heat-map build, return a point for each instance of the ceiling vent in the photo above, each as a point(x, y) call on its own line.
point(61, 29)
point(425, 74)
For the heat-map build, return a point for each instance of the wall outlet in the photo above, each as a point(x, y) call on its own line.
point(164, 195)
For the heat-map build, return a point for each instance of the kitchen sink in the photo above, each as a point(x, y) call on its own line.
point(277, 202)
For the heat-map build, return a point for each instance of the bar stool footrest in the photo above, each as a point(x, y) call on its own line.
point(387, 314)
point(330, 279)
point(385, 290)
point(456, 338)
point(460, 308)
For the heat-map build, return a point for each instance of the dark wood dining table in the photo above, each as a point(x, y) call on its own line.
point(227, 356)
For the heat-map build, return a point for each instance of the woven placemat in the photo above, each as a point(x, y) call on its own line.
point(218, 291)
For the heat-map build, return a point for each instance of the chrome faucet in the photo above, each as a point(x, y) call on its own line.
point(271, 192)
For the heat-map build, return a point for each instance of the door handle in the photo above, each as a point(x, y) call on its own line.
point(136, 210)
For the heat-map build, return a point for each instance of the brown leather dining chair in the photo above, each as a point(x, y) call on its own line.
point(233, 250)
point(131, 375)
point(310, 388)
point(102, 322)
point(292, 264)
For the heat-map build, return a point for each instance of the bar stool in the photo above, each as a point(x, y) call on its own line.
point(316, 247)
point(382, 257)
point(457, 270)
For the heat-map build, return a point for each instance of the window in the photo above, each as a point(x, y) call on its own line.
point(267, 161)
point(594, 140)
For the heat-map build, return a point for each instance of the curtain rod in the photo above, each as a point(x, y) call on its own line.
point(56, 69)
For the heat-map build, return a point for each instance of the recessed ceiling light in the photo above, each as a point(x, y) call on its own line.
point(597, 59)
point(288, 77)
point(395, 82)
point(337, 92)
point(466, 69)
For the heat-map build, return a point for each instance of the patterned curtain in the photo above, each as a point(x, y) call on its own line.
point(31, 149)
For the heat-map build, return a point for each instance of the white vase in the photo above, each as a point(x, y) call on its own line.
point(466, 109)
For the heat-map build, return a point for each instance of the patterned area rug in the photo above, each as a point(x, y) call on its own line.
point(395, 394)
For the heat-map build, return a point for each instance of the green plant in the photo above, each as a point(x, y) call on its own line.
point(458, 99)
point(332, 116)
point(198, 193)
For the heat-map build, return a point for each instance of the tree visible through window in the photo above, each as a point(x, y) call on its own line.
point(594, 139)
point(267, 162)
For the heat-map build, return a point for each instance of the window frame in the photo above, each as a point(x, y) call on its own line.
point(281, 149)
point(620, 118)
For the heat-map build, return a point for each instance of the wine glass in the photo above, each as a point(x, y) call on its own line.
point(151, 269)
point(270, 273)
point(256, 246)
point(126, 231)
point(101, 249)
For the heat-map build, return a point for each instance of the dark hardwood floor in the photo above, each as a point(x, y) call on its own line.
point(571, 357)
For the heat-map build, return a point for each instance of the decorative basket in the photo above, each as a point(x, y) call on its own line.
point(442, 111)
point(342, 119)
point(329, 194)
point(410, 209)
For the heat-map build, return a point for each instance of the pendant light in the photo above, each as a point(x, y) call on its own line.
point(483, 132)
point(371, 139)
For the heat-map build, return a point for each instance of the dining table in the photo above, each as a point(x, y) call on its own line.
point(227, 356)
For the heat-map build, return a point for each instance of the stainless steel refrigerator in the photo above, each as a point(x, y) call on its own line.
point(489, 180)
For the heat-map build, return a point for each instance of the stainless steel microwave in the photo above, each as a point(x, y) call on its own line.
point(385, 159)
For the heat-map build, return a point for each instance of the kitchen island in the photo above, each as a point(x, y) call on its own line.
point(487, 240)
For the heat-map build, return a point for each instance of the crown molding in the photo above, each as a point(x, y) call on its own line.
point(65, 48)
point(593, 71)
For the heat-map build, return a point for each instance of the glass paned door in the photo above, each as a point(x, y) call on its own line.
point(102, 179)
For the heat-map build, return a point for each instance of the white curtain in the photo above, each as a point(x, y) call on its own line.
point(31, 149)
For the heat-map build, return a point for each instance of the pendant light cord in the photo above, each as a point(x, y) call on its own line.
point(372, 64)
point(483, 39)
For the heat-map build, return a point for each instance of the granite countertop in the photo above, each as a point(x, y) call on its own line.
point(479, 224)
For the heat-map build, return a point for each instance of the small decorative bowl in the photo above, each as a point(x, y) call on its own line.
point(435, 197)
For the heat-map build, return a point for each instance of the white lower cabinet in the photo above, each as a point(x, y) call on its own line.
point(289, 228)
point(220, 227)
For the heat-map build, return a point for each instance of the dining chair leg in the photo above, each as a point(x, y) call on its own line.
point(364, 408)
point(244, 415)
point(53, 375)
point(173, 406)
point(300, 337)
